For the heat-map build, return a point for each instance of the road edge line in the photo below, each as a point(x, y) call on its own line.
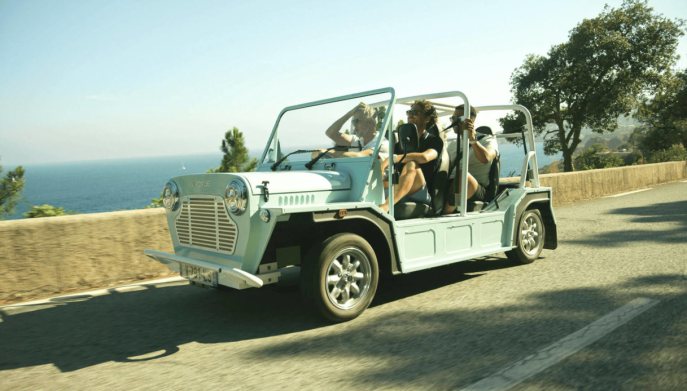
point(627, 193)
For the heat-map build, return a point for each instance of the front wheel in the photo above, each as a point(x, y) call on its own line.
point(529, 239)
point(340, 277)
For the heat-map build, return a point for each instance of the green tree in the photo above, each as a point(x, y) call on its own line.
point(155, 203)
point(597, 75)
point(45, 210)
point(11, 187)
point(597, 156)
point(665, 115)
point(236, 157)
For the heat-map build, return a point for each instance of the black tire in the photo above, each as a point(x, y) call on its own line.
point(340, 276)
point(529, 240)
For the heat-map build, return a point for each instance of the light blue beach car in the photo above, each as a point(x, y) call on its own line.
point(307, 215)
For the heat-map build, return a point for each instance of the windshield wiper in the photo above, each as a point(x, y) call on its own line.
point(311, 163)
point(278, 162)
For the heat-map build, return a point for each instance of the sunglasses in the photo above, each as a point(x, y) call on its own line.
point(414, 112)
point(456, 119)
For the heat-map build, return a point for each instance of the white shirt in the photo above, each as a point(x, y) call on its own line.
point(479, 170)
point(357, 144)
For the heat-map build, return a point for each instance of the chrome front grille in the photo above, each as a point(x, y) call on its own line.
point(203, 222)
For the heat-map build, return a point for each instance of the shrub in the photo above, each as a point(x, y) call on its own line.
point(597, 156)
point(675, 153)
point(45, 210)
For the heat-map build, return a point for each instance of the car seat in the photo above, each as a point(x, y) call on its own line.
point(492, 188)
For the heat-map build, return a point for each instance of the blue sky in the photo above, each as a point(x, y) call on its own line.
point(85, 80)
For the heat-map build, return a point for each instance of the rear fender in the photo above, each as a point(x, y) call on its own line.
point(542, 202)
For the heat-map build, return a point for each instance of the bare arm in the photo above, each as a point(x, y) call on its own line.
point(363, 153)
point(418, 157)
point(483, 154)
point(334, 131)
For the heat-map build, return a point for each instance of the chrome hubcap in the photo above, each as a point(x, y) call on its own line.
point(530, 232)
point(348, 278)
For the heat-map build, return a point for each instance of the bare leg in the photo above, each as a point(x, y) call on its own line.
point(410, 181)
point(472, 188)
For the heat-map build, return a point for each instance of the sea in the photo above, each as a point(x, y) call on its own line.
point(125, 184)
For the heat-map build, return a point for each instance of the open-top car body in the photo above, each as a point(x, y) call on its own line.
point(306, 214)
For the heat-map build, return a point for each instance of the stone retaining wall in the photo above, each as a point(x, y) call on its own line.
point(48, 256)
point(583, 185)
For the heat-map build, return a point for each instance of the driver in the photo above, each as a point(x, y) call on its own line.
point(362, 139)
point(418, 167)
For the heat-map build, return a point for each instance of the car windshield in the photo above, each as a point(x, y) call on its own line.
point(316, 126)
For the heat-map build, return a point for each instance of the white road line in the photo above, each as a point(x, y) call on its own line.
point(629, 192)
point(97, 292)
point(520, 371)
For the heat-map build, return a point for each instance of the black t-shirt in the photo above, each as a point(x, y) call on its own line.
point(428, 141)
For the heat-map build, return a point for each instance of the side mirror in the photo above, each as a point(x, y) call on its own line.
point(407, 139)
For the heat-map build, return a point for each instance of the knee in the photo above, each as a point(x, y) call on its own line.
point(419, 177)
point(411, 165)
point(472, 182)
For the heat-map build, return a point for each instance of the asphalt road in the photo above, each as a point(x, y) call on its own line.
point(447, 328)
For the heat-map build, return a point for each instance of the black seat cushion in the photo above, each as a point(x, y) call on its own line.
point(494, 176)
point(411, 210)
point(438, 188)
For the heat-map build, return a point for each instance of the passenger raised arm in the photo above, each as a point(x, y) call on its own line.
point(362, 138)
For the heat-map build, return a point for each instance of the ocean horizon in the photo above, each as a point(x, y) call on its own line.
point(105, 185)
point(126, 184)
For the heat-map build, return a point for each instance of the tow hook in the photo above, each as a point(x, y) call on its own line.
point(265, 190)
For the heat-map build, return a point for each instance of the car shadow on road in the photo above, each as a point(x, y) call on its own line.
point(405, 285)
point(674, 213)
point(422, 348)
point(82, 330)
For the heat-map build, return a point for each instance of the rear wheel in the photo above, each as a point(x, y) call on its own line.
point(529, 239)
point(340, 276)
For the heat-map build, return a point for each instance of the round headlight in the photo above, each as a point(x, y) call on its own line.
point(170, 196)
point(236, 197)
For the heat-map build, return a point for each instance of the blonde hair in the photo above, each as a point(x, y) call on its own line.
point(363, 113)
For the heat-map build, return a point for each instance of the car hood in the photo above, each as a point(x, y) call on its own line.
point(297, 181)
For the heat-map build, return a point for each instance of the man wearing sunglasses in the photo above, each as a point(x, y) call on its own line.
point(483, 150)
point(418, 167)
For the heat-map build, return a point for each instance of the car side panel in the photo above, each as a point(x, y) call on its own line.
point(430, 242)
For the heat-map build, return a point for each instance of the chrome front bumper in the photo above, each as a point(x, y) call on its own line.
point(227, 276)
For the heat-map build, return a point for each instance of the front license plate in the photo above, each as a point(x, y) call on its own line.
point(198, 274)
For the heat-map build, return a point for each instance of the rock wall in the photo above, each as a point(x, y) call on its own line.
point(48, 256)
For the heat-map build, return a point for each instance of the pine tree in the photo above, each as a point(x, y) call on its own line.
point(11, 187)
point(236, 158)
